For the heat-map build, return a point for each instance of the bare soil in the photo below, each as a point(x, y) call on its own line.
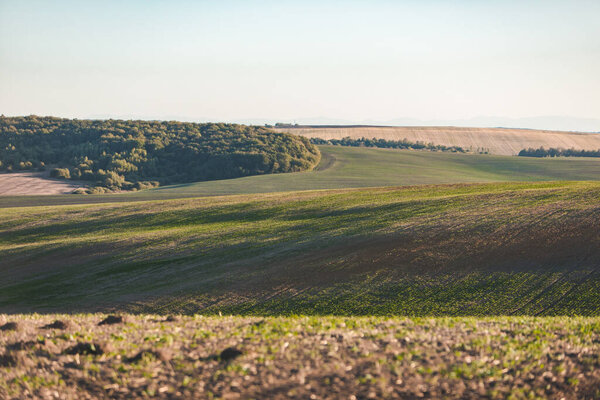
point(309, 358)
point(34, 183)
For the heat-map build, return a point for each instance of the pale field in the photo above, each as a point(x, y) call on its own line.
point(503, 141)
point(34, 183)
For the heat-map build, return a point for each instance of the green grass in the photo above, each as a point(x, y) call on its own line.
point(480, 249)
point(345, 167)
point(366, 167)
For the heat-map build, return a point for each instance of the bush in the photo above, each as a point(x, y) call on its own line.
point(80, 191)
point(145, 185)
point(60, 173)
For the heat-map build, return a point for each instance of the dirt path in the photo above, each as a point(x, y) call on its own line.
point(34, 183)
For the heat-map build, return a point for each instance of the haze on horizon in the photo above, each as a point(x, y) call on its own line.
point(522, 63)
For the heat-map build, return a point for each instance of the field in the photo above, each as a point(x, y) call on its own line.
point(479, 249)
point(73, 357)
point(34, 183)
point(381, 274)
point(496, 140)
point(345, 167)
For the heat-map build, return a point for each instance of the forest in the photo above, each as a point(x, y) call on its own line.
point(129, 155)
point(387, 144)
point(555, 152)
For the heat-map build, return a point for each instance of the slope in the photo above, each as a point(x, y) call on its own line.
point(480, 249)
point(344, 167)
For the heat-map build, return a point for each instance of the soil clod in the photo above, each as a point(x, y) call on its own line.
point(58, 324)
point(161, 355)
point(230, 353)
point(9, 326)
point(7, 360)
point(111, 320)
point(22, 345)
point(85, 348)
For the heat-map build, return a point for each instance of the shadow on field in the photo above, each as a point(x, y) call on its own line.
point(516, 253)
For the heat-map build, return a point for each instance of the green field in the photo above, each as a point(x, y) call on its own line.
point(479, 249)
point(382, 273)
point(346, 167)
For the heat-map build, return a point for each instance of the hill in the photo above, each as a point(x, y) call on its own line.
point(479, 249)
point(503, 141)
point(346, 167)
point(115, 154)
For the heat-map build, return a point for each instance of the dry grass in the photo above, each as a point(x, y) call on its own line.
point(502, 141)
point(34, 183)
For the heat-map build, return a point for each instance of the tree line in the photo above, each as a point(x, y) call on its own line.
point(558, 152)
point(387, 144)
point(118, 154)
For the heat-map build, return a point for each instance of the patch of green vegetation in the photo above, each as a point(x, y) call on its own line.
point(353, 167)
point(388, 144)
point(478, 249)
point(558, 152)
point(132, 155)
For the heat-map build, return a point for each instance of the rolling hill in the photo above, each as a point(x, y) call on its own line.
point(465, 249)
point(503, 141)
point(348, 167)
point(364, 263)
point(116, 154)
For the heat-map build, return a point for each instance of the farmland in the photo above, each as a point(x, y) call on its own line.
point(34, 183)
point(73, 357)
point(380, 273)
point(503, 141)
point(169, 228)
point(464, 249)
point(345, 167)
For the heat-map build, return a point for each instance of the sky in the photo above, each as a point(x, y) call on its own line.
point(406, 62)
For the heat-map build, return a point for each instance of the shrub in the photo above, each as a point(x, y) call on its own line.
point(60, 173)
point(80, 191)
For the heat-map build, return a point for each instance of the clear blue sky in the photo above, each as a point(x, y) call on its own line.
point(282, 60)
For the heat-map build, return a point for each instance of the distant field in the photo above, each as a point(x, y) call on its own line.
point(503, 141)
point(481, 249)
point(34, 183)
point(345, 167)
point(149, 356)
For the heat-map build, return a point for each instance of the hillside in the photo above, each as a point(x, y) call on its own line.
point(148, 356)
point(346, 167)
point(116, 154)
point(482, 249)
point(503, 141)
